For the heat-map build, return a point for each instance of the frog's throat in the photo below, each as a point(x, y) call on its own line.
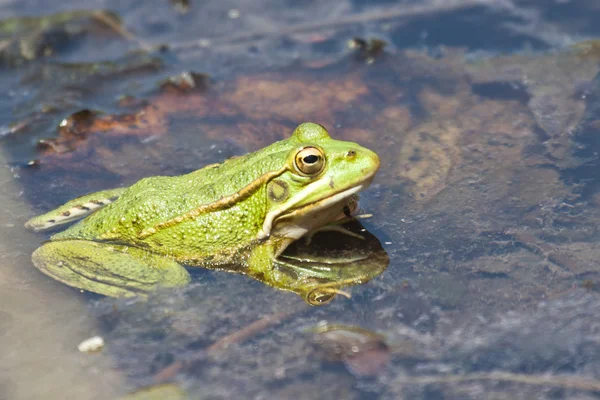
point(316, 206)
point(221, 204)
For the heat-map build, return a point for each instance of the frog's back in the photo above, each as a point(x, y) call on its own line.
point(138, 206)
point(155, 200)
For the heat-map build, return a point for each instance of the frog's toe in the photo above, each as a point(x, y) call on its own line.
point(111, 270)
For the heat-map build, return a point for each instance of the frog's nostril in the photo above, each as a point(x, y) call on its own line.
point(351, 154)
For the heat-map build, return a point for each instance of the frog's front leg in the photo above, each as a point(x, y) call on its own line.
point(74, 209)
point(108, 269)
point(261, 263)
point(265, 266)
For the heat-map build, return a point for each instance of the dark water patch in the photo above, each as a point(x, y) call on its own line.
point(477, 28)
point(539, 341)
point(587, 138)
point(502, 91)
point(577, 16)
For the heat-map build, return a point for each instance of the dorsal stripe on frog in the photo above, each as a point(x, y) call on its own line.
point(223, 203)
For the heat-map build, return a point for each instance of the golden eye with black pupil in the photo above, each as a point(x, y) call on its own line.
point(310, 161)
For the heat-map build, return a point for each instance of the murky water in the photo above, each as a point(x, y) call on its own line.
point(484, 114)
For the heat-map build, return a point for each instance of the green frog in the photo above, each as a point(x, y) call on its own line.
point(237, 215)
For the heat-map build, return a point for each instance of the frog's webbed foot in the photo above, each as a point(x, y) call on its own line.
point(333, 227)
point(111, 270)
point(74, 209)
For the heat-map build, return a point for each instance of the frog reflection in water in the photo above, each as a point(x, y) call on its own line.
point(244, 211)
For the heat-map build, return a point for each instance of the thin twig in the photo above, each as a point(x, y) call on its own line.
point(248, 331)
point(376, 16)
point(560, 381)
point(102, 17)
point(236, 337)
point(565, 262)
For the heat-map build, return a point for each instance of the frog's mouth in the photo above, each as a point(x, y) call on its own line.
point(311, 208)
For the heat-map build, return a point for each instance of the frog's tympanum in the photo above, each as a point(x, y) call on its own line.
point(244, 211)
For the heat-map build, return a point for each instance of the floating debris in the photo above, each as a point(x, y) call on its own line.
point(91, 345)
point(363, 352)
point(157, 392)
point(367, 49)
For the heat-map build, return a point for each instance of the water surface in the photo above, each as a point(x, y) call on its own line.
point(485, 116)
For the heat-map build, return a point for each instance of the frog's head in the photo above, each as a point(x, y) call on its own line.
point(321, 177)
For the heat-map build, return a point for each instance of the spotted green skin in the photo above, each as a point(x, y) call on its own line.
point(137, 243)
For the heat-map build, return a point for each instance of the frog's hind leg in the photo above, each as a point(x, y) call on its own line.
point(111, 270)
point(74, 209)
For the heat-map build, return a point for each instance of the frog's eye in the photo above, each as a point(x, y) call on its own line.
point(310, 160)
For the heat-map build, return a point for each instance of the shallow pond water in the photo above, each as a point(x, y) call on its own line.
point(485, 117)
